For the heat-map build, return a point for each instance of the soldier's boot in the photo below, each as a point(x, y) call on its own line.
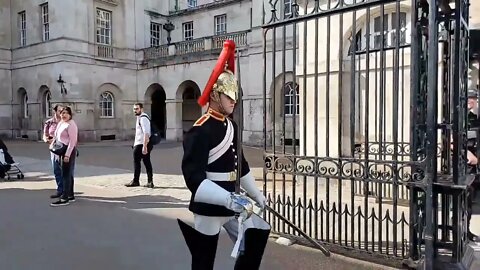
point(255, 243)
point(202, 247)
point(471, 236)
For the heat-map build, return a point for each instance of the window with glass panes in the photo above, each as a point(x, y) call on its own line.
point(291, 99)
point(188, 31)
point(378, 33)
point(45, 22)
point(287, 8)
point(22, 27)
point(220, 24)
point(155, 34)
point(389, 30)
point(401, 29)
point(192, 3)
point(104, 27)
point(106, 105)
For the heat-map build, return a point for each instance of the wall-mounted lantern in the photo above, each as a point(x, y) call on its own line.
point(61, 82)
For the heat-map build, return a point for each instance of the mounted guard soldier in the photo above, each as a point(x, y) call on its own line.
point(210, 166)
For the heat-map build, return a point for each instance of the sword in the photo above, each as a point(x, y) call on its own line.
point(238, 117)
point(324, 250)
point(239, 121)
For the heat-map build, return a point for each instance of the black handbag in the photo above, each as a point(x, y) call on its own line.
point(58, 148)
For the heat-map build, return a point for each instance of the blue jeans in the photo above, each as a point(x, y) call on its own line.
point(57, 172)
point(68, 170)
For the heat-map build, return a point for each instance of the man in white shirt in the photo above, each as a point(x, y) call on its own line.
point(141, 147)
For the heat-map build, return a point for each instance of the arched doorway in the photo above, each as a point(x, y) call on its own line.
point(191, 111)
point(23, 113)
point(45, 98)
point(158, 107)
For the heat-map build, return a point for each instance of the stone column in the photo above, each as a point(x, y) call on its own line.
point(174, 120)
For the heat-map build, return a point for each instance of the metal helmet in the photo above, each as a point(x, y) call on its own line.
point(227, 84)
point(222, 79)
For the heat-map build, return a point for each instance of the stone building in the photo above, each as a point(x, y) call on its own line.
point(356, 57)
point(101, 56)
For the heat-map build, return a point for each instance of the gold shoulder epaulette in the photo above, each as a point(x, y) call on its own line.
point(201, 120)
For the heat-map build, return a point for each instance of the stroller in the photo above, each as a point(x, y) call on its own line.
point(8, 167)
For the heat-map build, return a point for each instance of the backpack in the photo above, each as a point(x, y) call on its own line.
point(154, 134)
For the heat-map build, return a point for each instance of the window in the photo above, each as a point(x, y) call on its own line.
point(47, 104)
point(25, 105)
point(287, 8)
point(188, 31)
point(402, 28)
point(292, 99)
point(22, 26)
point(358, 43)
point(155, 34)
point(192, 3)
point(106, 105)
point(45, 22)
point(375, 38)
point(378, 33)
point(104, 27)
point(220, 24)
point(389, 33)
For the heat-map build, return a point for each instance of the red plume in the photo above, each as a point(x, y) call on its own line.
point(226, 56)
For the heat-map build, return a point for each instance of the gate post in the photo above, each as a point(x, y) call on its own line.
point(444, 223)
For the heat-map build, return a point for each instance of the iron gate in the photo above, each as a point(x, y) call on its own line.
point(357, 137)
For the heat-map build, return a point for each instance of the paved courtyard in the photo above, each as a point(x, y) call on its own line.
point(114, 227)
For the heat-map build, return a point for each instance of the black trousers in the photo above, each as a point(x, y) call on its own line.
point(137, 157)
point(470, 196)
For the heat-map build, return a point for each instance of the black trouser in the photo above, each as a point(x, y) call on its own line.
point(137, 156)
point(68, 169)
point(470, 196)
point(470, 193)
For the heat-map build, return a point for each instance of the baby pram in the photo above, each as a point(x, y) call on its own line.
point(8, 167)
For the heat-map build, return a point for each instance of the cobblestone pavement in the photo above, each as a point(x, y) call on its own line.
point(114, 227)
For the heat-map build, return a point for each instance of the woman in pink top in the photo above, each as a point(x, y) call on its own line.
point(67, 133)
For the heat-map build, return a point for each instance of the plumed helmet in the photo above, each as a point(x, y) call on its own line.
point(222, 79)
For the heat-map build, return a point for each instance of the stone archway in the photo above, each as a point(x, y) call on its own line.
point(156, 94)
point(189, 92)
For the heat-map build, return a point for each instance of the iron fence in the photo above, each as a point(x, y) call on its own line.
point(362, 151)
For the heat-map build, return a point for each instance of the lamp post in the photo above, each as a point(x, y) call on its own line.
point(169, 27)
point(61, 82)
